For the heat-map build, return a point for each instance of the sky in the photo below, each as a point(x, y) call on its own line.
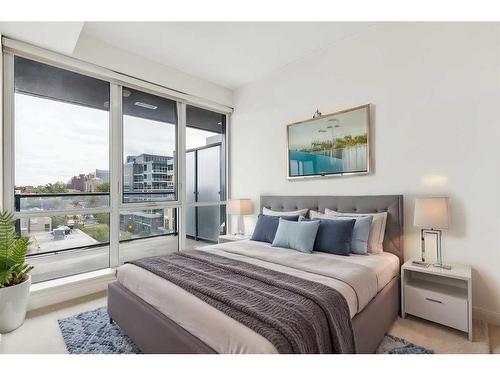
point(353, 123)
point(55, 141)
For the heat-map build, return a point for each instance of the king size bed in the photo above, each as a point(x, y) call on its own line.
point(191, 302)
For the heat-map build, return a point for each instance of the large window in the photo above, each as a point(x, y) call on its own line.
point(61, 164)
point(93, 168)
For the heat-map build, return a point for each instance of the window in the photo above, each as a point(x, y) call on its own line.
point(149, 144)
point(149, 175)
point(61, 138)
point(147, 232)
point(61, 161)
point(92, 167)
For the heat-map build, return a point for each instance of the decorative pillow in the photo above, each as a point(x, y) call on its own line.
point(334, 236)
point(266, 227)
point(377, 228)
point(298, 236)
point(360, 232)
point(267, 211)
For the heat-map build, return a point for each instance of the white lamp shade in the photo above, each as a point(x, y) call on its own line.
point(431, 213)
point(240, 207)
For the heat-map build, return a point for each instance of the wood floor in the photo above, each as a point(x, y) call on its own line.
point(40, 333)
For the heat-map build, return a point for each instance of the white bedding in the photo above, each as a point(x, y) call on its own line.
point(366, 275)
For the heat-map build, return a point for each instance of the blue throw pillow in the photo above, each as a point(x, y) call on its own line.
point(334, 236)
point(296, 235)
point(266, 227)
point(360, 233)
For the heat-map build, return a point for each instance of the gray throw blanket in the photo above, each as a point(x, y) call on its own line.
point(294, 314)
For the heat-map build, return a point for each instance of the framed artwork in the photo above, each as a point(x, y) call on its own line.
point(335, 144)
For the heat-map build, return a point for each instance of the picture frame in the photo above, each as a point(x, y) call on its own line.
point(331, 145)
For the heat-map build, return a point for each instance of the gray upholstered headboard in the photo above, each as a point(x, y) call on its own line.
point(392, 204)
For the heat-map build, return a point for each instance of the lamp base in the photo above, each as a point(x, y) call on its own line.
point(441, 265)
point(420, 263)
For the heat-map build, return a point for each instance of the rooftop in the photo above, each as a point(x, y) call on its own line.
point(44, 241)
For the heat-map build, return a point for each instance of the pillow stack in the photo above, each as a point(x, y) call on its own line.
point(269, 221)
point(377, 227)
point(334, 236)
point(332, 232)
point(266, 227)
point(360, 232)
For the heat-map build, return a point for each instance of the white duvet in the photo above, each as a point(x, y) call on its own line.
point(357, 277)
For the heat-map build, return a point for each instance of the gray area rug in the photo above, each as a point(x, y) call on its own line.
point(91, 333)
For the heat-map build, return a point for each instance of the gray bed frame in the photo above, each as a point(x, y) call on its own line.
point(153, 332)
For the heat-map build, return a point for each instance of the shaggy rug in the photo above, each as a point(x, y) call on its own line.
point(91, 333)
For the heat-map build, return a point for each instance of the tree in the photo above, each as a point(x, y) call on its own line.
point(57, 221)
point(104, 187)
point(102, 218)
point(57, 187)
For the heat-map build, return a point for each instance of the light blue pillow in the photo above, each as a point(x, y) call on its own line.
point(295, 235)
point(360, 233)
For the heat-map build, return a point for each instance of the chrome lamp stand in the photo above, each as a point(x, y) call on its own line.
point(437, 233)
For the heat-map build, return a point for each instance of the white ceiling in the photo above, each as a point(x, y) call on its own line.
point(57, 36)
point(230, 54)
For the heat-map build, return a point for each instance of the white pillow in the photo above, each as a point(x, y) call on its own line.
point(316, 215)
point(377, 229)
point(268, 212)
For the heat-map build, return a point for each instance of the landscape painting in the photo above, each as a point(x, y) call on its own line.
point(333, 144)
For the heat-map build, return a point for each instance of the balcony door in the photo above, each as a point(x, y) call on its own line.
point(205, 175)
point(203, 169)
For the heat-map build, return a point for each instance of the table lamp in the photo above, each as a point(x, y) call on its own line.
point(240, 207)
point(431, 215)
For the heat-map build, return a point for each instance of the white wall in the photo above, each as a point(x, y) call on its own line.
point(435, 88)
point(97, 52)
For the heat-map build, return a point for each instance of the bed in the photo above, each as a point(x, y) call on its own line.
point(161, 317)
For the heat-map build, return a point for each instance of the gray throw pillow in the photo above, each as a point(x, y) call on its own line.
point(295, 235)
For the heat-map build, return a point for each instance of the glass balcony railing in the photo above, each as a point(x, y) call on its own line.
point(30, 202)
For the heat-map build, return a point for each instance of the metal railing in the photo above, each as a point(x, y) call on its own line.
point(20, 196)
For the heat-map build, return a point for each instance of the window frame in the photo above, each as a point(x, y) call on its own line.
point(117, 81)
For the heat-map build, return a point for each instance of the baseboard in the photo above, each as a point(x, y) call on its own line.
point(56, 291)
point(479, 313)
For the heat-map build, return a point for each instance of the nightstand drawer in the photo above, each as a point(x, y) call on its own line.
point(438, 307)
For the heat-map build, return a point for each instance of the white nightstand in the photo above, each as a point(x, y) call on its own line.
point(233, 237)
point(442, 296)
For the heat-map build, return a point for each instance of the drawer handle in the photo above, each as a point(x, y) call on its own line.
point(433, 300)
